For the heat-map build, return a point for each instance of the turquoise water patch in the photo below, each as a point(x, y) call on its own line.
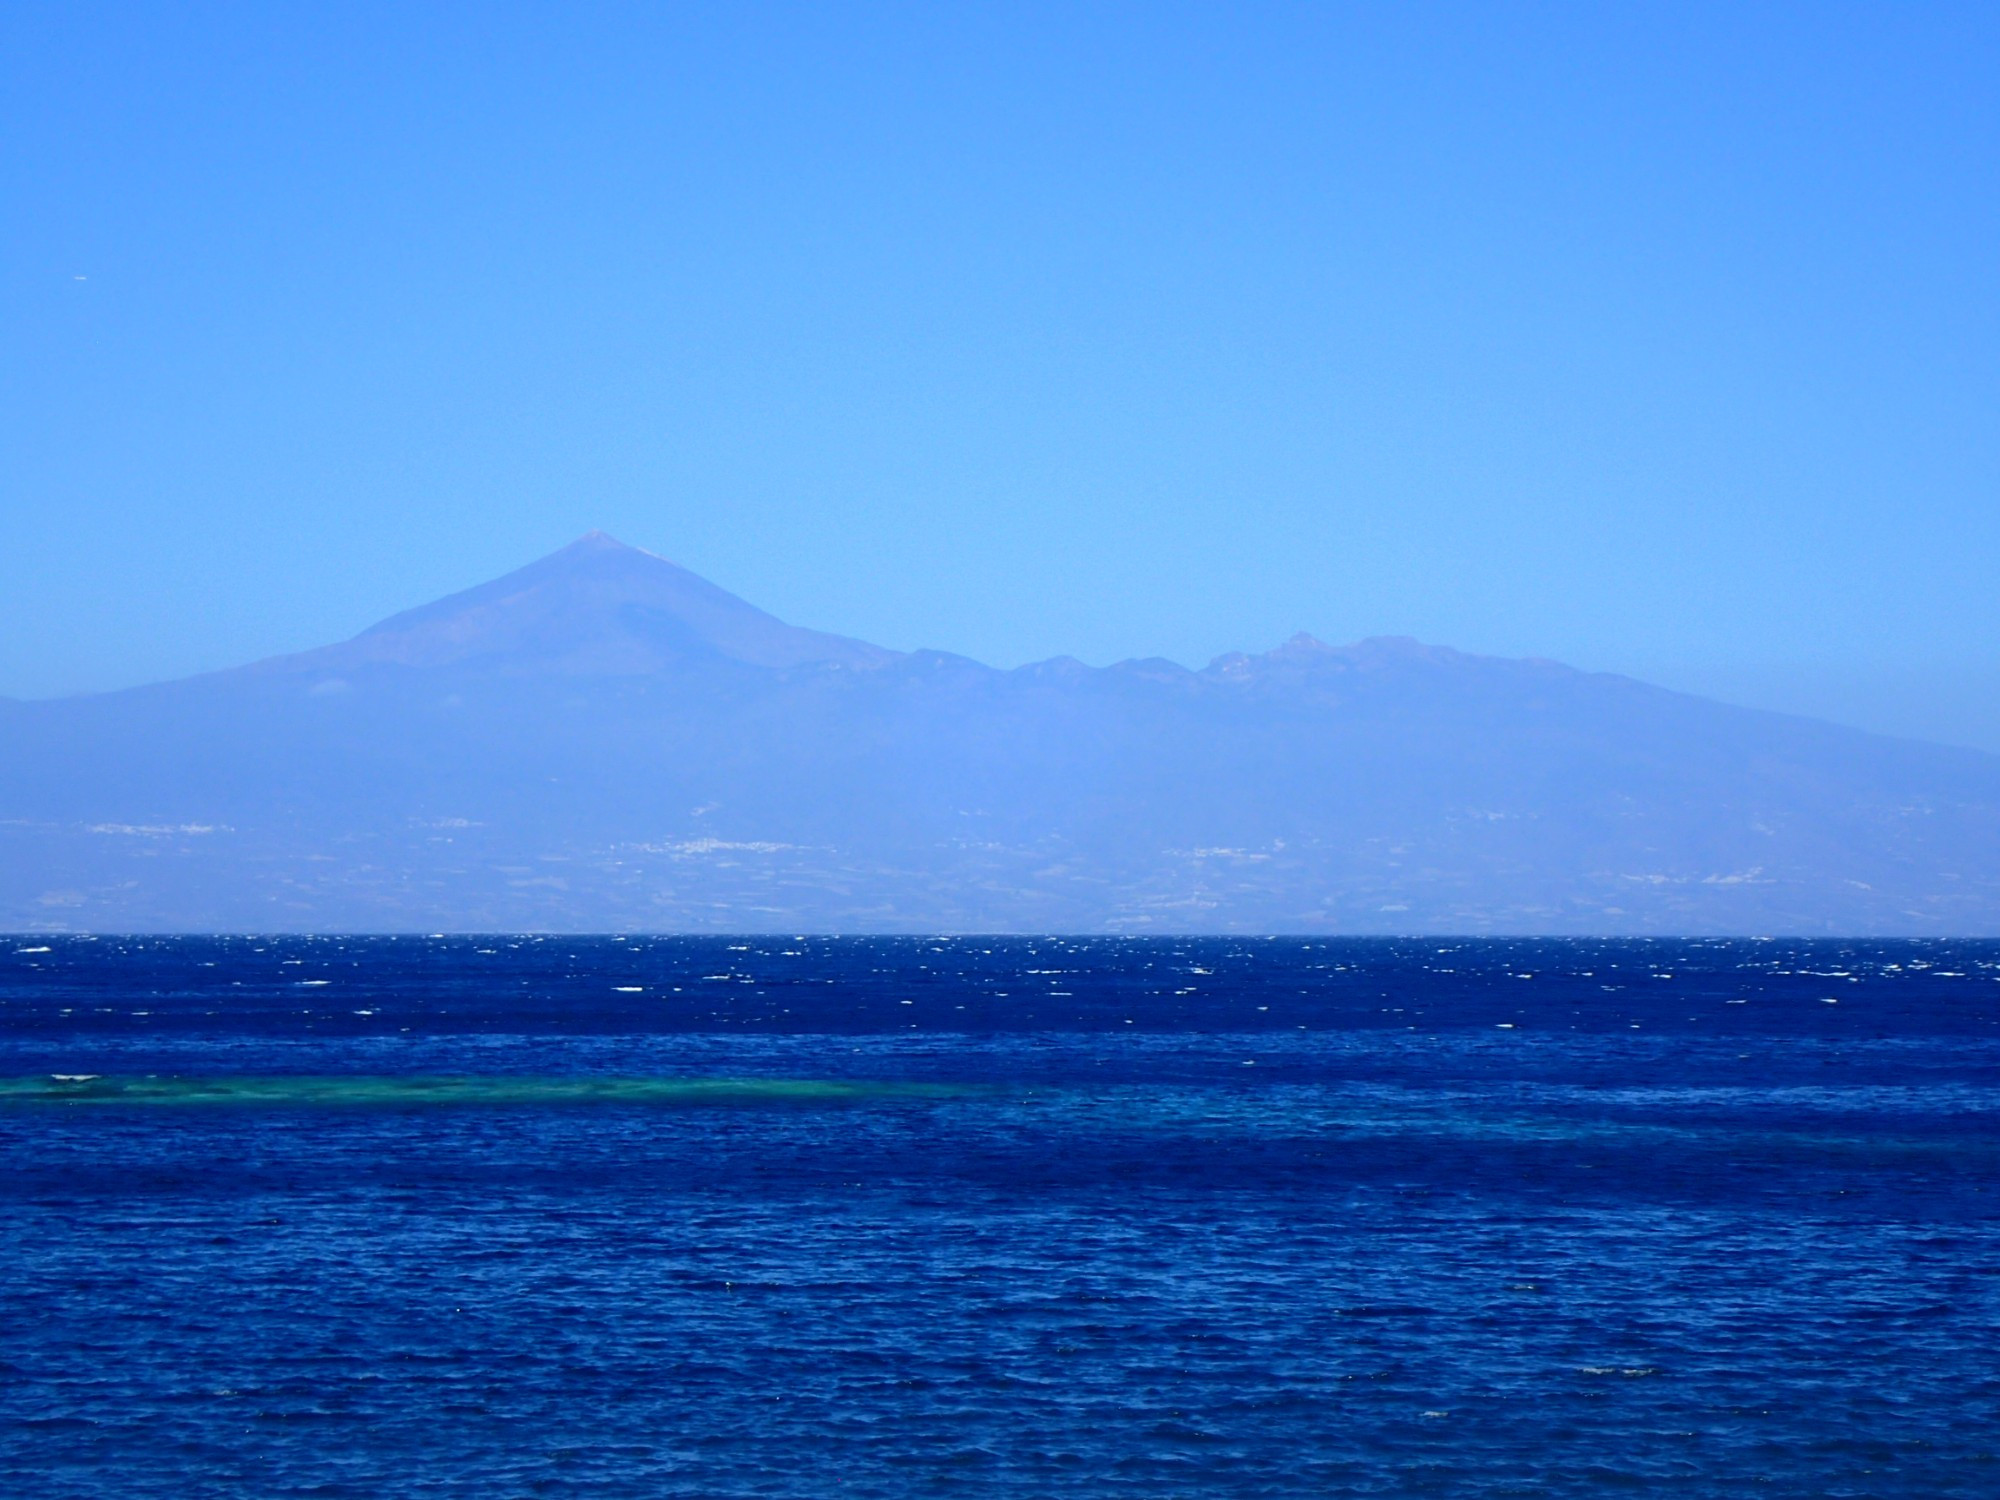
point(283, 1091)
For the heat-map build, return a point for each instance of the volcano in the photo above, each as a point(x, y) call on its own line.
point(604, 741)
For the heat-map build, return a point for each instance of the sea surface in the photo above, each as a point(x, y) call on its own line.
point(549, 1216)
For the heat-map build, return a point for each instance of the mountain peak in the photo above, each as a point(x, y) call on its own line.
point(596, 607)
point(602, 542)
point(596, 548)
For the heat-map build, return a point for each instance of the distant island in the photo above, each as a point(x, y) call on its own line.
point(603, 741)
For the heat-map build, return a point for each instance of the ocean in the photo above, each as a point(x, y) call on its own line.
point(555, 1216)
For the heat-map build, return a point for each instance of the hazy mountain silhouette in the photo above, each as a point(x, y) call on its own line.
point(596, 607)
point(603, 740)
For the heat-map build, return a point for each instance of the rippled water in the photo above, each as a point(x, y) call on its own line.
point(518, 1217)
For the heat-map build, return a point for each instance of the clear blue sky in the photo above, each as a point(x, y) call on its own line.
point(1660, 339)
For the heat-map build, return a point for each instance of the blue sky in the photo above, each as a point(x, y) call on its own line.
point(1658, 339)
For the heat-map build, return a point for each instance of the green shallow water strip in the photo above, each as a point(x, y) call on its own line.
point(290, 1091)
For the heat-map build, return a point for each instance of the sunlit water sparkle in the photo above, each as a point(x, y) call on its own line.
point(495, 1217)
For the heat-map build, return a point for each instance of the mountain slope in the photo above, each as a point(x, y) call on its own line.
point(602, 740)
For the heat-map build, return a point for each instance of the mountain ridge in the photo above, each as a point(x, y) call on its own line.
point(602, 740)
point(388, 642)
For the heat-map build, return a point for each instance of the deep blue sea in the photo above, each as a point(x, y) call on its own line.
point(493, 1217)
